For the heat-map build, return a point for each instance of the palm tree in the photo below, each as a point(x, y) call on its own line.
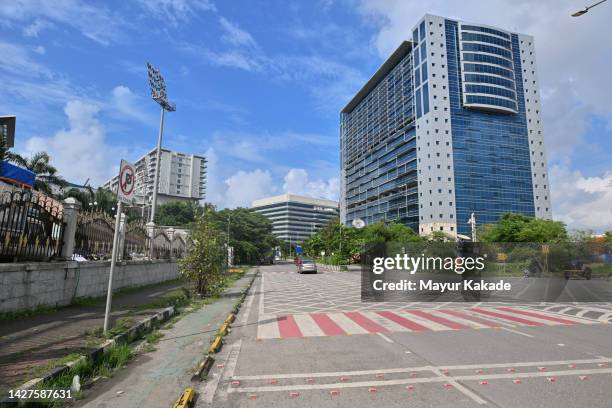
point(5, 153)
point(46, 174)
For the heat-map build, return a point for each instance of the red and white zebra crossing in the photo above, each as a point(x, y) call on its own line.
point(407, 320)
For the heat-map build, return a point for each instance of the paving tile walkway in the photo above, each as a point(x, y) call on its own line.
point(30, 344)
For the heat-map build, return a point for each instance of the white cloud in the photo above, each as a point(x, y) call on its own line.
point(95, 23)
point(16, 60)
point(176, 11)
point(571, 62)
point(80, 151)
point(234, 35)
point(582, 202)
point(38, 25)
point(297, 182)
point(245, 187)
point(128, 105)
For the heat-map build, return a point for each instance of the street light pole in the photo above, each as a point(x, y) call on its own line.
point(158, 94)
point(157, 165)
point(229, 220)
point(586, 9)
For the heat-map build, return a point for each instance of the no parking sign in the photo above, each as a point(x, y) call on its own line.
point(127, 182)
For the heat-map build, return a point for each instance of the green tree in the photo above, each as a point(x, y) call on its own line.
point(6, 154)
point(205, 257)
point(250, 234)
point(608, 237)
point(346, 243)
point(439, 236)
point(520, 228)
point(177, 213)
point(40, 164)
point(391, 232)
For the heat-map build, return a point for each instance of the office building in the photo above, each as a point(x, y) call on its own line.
point(450, 124)
point(182, 177)
point(295, 218)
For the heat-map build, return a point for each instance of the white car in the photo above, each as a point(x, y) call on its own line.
point(307, 266)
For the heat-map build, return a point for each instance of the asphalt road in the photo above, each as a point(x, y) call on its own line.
point(308, 341)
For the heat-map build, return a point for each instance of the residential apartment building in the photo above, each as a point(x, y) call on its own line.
point(295, 218)
point(182, 177)
point(449, 125)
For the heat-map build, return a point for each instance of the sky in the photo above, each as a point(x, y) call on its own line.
point(259, 86)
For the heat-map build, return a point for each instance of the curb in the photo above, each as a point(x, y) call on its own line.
point(335, 268)
point(128, 336)
point(205, 365)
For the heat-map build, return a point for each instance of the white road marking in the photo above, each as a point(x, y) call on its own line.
point(516, 332)
point(209, 388)
point(346, 324)
point(244, 315)
point(307, 326)
point(464, 390)
point(261, 298)
point(388, 340)
point(437, 379)
point(422, 368)
point(431, 325)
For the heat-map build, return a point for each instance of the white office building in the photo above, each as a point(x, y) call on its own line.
point(182, 177)
point(449, 125)
point(295, 218)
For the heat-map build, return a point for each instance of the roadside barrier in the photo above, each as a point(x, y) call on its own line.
point(202, 369)
point(186, 399)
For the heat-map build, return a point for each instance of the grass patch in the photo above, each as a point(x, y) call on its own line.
point(38, 310)
point(177, 298)
point(153, 337)
point(121, 326)
point(116, 356)
point(87, 301)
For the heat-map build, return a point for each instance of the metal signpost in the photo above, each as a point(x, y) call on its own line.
point(125, 194)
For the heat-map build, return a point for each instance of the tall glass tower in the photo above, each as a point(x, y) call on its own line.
point(450, 124)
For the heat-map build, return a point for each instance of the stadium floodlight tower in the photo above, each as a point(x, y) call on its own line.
point(158, 93)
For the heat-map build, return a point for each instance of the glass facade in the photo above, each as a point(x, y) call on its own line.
point(444, 129)
point(378, 143)
point(486, 57)
point(490, 149)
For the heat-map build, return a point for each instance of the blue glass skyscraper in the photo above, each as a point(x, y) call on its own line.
point(450, 124)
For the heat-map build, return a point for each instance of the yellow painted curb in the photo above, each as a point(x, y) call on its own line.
point(230, 318)
point(185, 399)
point(216, 345)
point(223, 329)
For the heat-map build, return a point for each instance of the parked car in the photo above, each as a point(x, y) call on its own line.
point(307, 266)
point(576, 269)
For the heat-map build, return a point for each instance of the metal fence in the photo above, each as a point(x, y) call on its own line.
point(136, 240)
point(31, 227)
point(162, 244)
point(178, 246)
point(94, 235)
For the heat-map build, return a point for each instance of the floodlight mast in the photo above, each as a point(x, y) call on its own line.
point(158, 94)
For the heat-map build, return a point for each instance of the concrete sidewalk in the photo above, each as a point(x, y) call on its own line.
point(28, 345)
point(156, 379)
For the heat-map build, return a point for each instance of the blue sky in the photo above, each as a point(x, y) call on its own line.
point(259, 86)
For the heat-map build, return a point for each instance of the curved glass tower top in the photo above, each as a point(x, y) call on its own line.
point(487, 69)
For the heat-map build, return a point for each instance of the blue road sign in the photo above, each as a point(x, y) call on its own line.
point(298, 249)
